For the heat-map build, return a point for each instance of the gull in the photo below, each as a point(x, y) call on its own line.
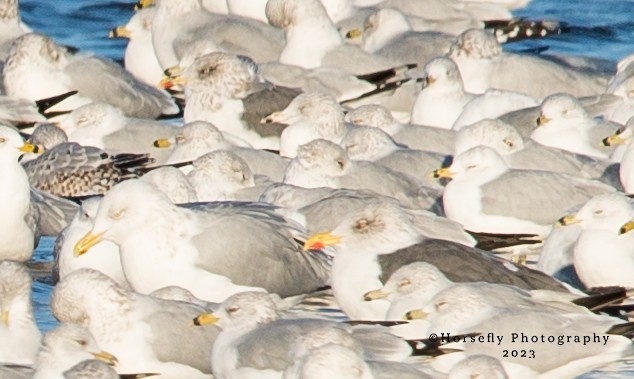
point(139, 57)
point(526, 154)
point(104, 257)
point(602, 256)
point(322, 163)
point(418, 137)
point(563, 123)
point(224, 90)
point(375, 241)
point(309, 116)
point(256, 339)
point(211, 249)
point(198, 138)
point(479, 177)
point(456, 311)
point(375, 145)
point(623, 137)
point(484, 65)
point(222, 175)
point(146, 334)
point(34, 58)
point(27, 213)
point(65, 346)
point(18, 331)
point(179, 23)
point(106, 127)
point(173, 183)
point(313, 41)
point(254, 10)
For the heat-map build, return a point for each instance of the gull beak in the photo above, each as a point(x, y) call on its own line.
point(205, 319)
point(168, 82)
point(5, 318)
point(624, 229)
point(173, 71)
point(275, 117)
point(613, 140)
point(374, 295)
point(416, 314)
point(542, 120)
point(441, 173)
point(106, 357)
point(86, 242)
point(29, 148)
point(568, 220)
point(319, 241)
point(162, 143)
point(354, 33)
point(119, 32)
point(143, 4)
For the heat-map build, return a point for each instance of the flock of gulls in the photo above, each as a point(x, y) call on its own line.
point(306, 189)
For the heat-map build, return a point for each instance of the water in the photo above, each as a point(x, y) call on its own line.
point(599, 29)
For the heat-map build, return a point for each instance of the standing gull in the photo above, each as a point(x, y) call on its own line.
point(34, 59)
point(211, 249)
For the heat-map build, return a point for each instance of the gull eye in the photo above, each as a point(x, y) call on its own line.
point(441, 305)
point(233, 309)
point(2, 140)
point(82, 342)
point(598, 212)
point(206, 70)
point(82, 120)
point(180, 138)
point(472, 166)
point(362, 224)
point(117, 214)
point(340, 163)
point(404, 283)
point(508, 142)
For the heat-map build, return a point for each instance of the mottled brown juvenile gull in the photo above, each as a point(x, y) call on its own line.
point(64, 347)
point(211, 249)
point(106, 127)
point(322, 163)
point(374, 242)
point(224, 89)
point(485, 195)
point(72, 170)
point(104, 257)
point(38, 68)
point(419, 137)
point(146, 334)
point(256, 338)
point(19, 335)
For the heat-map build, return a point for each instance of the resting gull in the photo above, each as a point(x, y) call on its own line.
point(19, 335)
point(479, 178)
point(146, 334)
point(173, 183)
point(223, 247)
point(374, 242)
point(622, 139)
point(34, 58)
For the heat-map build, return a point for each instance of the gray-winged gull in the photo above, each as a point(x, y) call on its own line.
point(34, 58)
point(622, 139)
point(173, 183)
point(485, 195)
point(374, 242)
point(19, 335)
point(256, 339)
point(146, 334)
point(322, 163)
point(64, 347)
point(602, 253)
point(211, 249)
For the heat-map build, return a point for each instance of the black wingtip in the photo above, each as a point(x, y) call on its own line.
point(44, 104)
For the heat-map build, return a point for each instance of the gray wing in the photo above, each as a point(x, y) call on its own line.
point(54, 212)
point(262, 103)
point(466, 264)
point(104, 81)
point(175, 340)
point(539, 196)
point(415, 163)
point(401, 370)
point(417, 47)
point(264, 162)
point(254, 246)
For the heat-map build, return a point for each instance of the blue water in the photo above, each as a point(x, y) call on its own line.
point(599, 29)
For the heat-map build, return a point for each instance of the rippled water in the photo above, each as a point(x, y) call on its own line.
point(600, 29)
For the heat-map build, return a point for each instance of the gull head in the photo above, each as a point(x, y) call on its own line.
point(371, 115)
point(36, 50)
point(417, 277)
point(442, 72)
point(562, 108)
point(475, 44)
point(368, 144)
point(496, 134)
point(603, 212)
point(12, 145)
point(479, 164)
point(323, 157)
point(242, 311)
